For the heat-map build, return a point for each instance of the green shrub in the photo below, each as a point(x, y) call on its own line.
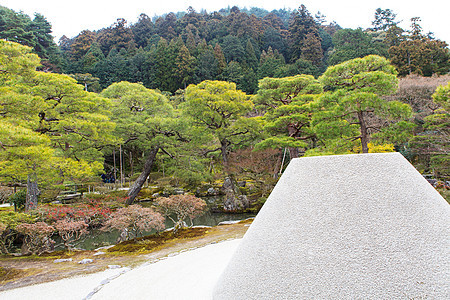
point(11, 219)
point(18, 200)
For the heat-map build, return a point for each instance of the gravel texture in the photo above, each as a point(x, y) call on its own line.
point(189, 275)
point(365, 226)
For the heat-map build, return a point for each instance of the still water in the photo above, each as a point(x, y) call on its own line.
point(99, 238)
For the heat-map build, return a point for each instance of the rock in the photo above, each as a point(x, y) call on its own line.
point(123, 236)
point(99, 253)
point(62, 260)
point(178, 191)
point(228, 222)
point(233, 200)
point(212, 191)
point(86, 261)
point(228, 185)
point(104, 247)
point(114, 267)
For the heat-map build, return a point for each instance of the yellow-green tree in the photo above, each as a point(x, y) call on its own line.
point(51, 129)
point(220, 111)
point(289, 111)
point(219, 108)
point(352, 109)
point(146, 121)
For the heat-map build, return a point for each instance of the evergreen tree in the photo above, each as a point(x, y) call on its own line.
point(16, 27)
point(354, 43)
point(117, 36)
point(219, 108)
point(56, 129)
point(288, 117)
point(45, 46)
point(304, 36)
point(81, 44)
point(233, 49)
point(218, 54)
point(270, 63)
point(353, 99)
point(184, 67)
point(433, 145)
point(143, 30)
point(251, 59)
point(207, 66)
point(384, 19)
point(418, 54)
point(145, 120)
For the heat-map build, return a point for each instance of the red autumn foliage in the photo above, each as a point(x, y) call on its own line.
point(254, 164)
point(89, 213)
point(183, 207)
point(37, 236)
point(71, 231)
point(133, 220)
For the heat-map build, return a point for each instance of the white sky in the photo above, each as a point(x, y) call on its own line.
point(70, 17)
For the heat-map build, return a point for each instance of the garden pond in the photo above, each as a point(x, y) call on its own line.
point(98, 238)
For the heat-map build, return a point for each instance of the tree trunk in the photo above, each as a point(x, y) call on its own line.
point(32, 194)
point(363, 129)
point(293, 151)
point(223, 150)
point(278, 164)
point(137, 185)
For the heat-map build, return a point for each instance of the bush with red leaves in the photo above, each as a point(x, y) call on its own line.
point(71, 231)
point(37, 237)
point(133, 220)
point(183, 207)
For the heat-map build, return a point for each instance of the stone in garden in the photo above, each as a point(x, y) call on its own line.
point(62, 260)
point(233, 199)
point(86, 261)
point(364, 226)
point(114, 267)
point(178, 191)
point(212, 191)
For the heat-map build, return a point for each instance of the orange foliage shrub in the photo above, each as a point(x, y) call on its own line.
point(71, 230)
point(37, 236)
point(183, 207)
point(133, 220)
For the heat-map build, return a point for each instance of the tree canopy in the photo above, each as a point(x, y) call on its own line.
point(220, 108)
point(353, 103)
point(51, 128)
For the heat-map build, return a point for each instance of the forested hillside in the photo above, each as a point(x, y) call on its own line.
point(242, 46)
point(192, 96)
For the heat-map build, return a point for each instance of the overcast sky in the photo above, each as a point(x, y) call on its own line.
point(70, 17)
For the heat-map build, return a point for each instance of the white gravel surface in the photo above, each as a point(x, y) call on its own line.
point(188, 275)
point(75, 288)
point(345, 227)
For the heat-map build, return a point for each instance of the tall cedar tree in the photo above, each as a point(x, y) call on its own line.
point(304, 37)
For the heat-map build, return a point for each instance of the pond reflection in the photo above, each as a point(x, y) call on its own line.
point(99, 238)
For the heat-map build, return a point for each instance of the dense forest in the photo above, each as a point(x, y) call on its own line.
point(191, 95)
point(241, 46)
